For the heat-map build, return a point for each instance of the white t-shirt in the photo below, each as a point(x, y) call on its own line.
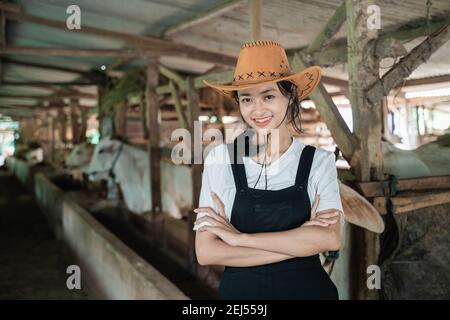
point(281, 173)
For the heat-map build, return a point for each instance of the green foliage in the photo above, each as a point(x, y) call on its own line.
point(118, 90)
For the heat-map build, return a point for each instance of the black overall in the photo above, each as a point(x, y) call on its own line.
point(256, 210)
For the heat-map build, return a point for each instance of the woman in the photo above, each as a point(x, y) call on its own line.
point(255, 215)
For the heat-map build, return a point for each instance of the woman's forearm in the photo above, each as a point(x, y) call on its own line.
point(218, 252)
point(299, 242)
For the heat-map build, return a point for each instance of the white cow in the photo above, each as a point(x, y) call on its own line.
point(129, 166)
point(77, 162)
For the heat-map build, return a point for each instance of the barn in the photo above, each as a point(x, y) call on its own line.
point(106, 122)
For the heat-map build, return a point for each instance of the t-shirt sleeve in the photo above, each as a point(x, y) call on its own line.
point(328, 186)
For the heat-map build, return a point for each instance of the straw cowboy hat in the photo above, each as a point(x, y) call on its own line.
point(262, 62)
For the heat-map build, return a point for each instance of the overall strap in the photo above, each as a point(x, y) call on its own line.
point(240, 178)
point(304, 166)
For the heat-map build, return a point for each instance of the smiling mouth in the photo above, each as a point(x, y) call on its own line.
point(261, 122)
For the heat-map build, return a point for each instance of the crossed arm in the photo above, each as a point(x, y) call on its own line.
point(219, 243)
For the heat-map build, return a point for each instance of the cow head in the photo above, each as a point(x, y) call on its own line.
point(79, 156)
point(105, 154)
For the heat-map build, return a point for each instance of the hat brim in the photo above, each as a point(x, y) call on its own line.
point(306, 80)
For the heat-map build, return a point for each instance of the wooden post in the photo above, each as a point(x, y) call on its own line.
point(53, 124)
point(152, 108)
point(2, 40)
point(363, 68)
point(120, 118)
point(83, 125)
point(255, 19)
point(63, 125)
point(332, 27)
point(143, 117)
point(74, 121)
point(196, 131)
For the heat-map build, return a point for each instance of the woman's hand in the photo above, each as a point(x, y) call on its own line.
point(324, 219)
point(217, 222)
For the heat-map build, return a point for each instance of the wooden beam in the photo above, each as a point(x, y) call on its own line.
point(9, 7)
point(178, 107)
point(407, 65)
point(69, 52)
point(152, 108)
point(172, 75)
point(156, 45)
point(203, 16)
point(414, 201)
point(49, 98)
point(330, 114)
point(255, 19)
point(47, 84)
point(425, 183)
point(425, 81)
point(373, 188)
point(330, 29)
point(87, 74)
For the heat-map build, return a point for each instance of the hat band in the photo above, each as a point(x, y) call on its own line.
point(258, 76)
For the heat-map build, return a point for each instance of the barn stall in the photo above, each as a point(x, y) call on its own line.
point(133, 74)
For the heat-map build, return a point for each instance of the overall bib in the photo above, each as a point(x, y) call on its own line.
point(255, 211)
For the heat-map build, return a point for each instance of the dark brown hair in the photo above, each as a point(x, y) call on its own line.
point(289, 90)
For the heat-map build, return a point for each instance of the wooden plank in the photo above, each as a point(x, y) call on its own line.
point(407, 65)
point(255, 19)
point(330, 29)
point(414, 201)
point(373, 188)
point(152, 108)
point(203, 16)
point(426, 183)
point(380, 203)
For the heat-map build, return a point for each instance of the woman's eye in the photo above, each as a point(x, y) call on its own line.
point(245, 100)
point(269, 97)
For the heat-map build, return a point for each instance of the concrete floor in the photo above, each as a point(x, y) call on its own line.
point(33, 262)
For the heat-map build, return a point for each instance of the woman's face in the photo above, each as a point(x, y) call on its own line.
point(263, 107)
